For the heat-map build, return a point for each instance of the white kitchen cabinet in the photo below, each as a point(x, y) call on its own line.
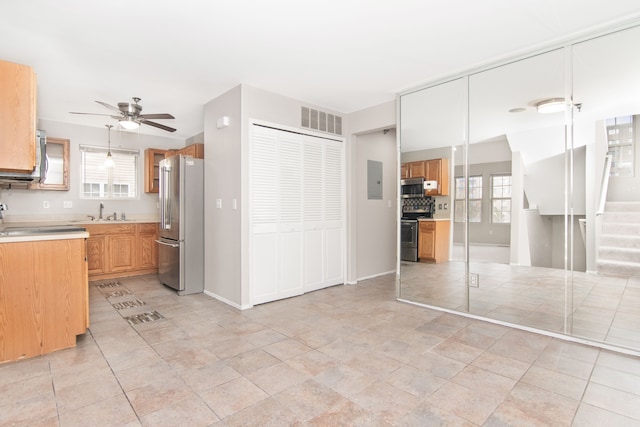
point(296, 213)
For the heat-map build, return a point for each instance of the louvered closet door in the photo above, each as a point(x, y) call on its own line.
point(333, 213)
point(297, 228)
point(264, 215)
point(290, 209)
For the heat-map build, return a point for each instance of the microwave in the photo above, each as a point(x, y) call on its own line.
point(39, 173)
point(412, 187)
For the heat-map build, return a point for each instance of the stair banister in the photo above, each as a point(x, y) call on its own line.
point(604, 185)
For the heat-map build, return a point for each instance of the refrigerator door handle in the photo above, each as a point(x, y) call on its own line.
point(173, 245)
point(165, 209)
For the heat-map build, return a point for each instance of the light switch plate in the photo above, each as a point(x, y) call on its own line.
point(67, 204)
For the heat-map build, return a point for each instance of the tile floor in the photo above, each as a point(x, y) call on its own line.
point(600, 307)
point(343, 356)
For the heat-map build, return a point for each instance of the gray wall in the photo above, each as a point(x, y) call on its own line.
point(376, 227)
point(26, 205)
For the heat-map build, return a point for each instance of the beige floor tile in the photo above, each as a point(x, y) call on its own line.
point(347, 414)
point(309, 399)
point(530, 405)
point(286, 349)
point(268, 412)
point(251, 361)
point(546, 379)
point(614, 400)
point(233, 396)
point(113, 411)
point(426, 414)
point(312, 362)
point(588, 416)
point(203, 378)
point(31, 411)
point(385, 401)
point(345, 380)
point(87, 392)
point(470, 405)
point(419, 383)
point(505, 366)
point(275, 378)
point(155, 396)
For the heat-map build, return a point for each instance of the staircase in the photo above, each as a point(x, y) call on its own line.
point(619, 251)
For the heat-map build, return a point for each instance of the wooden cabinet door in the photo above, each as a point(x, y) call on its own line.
point(427, 241)
point(147, 246)
point(404, 171)
point(96, 254)
point(417, 170)
point(437, 170)
point(17, 117)
point(122, 252)
point(152, 157)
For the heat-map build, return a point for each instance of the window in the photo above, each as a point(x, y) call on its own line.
point(117, 182)
point(620, 141)
point(501, 199)
point(475, 199)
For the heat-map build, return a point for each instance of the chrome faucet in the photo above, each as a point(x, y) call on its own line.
point(101, 208)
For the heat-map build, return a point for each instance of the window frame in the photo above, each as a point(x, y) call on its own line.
point(461, 200)
point(501, 199)
point(106, 189)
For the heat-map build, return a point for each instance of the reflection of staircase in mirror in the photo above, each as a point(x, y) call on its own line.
point(619, 251)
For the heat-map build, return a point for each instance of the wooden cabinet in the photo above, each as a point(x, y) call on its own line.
point(44, 296)
point(437, 170)
point(194, 150)
point(121, 249)
point(152, 157)
point(17, 117)
point(433, 241)
point(431, 170)
point(413, 170)
point(147, 246)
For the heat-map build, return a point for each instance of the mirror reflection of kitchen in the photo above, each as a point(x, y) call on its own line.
point(541, 206)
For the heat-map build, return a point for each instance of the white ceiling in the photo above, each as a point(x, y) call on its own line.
point(343, 55)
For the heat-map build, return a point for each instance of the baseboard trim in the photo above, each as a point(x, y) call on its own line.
point(228, 301)
point(373, 276)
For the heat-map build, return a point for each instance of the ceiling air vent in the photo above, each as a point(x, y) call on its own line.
point(321, 121)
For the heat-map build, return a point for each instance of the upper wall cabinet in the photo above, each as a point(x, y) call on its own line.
point(57, 177)
point(152, 157)
point(17, 117)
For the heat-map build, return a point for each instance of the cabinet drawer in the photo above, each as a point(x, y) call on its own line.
point(148, 228)
point(427, 225)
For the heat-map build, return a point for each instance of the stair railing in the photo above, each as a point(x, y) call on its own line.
point(604, 185)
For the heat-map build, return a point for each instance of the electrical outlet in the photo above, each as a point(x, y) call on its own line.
point(474, 280)
point(45, 204)
point(67, 204)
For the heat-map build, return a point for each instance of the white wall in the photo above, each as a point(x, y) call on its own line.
point(377, 223)
point(26, 205)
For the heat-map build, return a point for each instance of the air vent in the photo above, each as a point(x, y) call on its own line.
point(321, 121)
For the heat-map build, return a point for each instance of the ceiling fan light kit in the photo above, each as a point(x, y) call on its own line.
point(130, 118)
point(129, 124)
point(552, 105)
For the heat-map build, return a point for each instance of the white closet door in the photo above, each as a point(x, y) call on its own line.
point(333, 213)
point(264, 214)
point(313, 213)
point(297, 208)
point(290, 187)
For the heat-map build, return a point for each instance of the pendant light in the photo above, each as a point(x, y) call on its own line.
point(108, 162)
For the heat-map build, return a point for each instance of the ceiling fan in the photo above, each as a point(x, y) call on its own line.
point(129, 115)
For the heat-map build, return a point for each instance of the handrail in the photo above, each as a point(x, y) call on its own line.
point(604, 185)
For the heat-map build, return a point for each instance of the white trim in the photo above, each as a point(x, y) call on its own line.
point(373, 276)
point(227, 301)
point(558, 335)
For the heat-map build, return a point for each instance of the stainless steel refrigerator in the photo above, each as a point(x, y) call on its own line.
point(181, 236)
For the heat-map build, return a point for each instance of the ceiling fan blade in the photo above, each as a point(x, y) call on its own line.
point(90, 114)
point(111, 107)
point(157, 125)
point(156, 116)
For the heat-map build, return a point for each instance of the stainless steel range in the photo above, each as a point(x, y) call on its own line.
point(412, 210)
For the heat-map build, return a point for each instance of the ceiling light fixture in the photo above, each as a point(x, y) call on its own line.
point(108, 162)
point(552, 105)
point(129, 123)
